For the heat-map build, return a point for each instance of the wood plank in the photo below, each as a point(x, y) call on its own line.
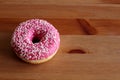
point(93, 11)
point(67, 26)
point(101, 63)
point(58, 2)
point(71, 26)
point(64, 26)
point(105, 26)
point(87, 27)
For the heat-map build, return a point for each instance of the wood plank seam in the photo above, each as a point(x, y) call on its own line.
point(87, 27)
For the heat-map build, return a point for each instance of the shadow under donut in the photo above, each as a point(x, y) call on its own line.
point(6, 53)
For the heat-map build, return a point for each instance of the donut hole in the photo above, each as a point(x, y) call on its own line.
point(37, 36)
point(36, 39)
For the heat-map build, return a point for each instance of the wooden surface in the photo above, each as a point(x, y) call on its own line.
point(71, 26)
point(106, 26)
point(70, 9)
point(90, 41)
point(100, 60)
point(62, 2)
point(80, 56)
point(65, 26)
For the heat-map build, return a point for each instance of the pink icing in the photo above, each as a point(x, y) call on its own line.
point(35, 39)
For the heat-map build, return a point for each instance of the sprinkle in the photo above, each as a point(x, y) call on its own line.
point(24, 34)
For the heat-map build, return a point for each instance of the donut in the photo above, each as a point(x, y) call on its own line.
point(35, 41)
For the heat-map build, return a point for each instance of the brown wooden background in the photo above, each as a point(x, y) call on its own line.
point(90, 41)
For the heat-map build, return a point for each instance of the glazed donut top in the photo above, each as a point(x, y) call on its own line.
point(35, 39)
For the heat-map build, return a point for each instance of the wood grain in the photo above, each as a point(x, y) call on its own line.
point(93, 11)
point(105, 26)
point(101, 60)
point(71, 26)
point(80, 56)
point(70, 9)
point(88, 28)
point(59, 2)
point(64, 26)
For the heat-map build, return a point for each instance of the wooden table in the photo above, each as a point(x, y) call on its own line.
point(90, 41)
